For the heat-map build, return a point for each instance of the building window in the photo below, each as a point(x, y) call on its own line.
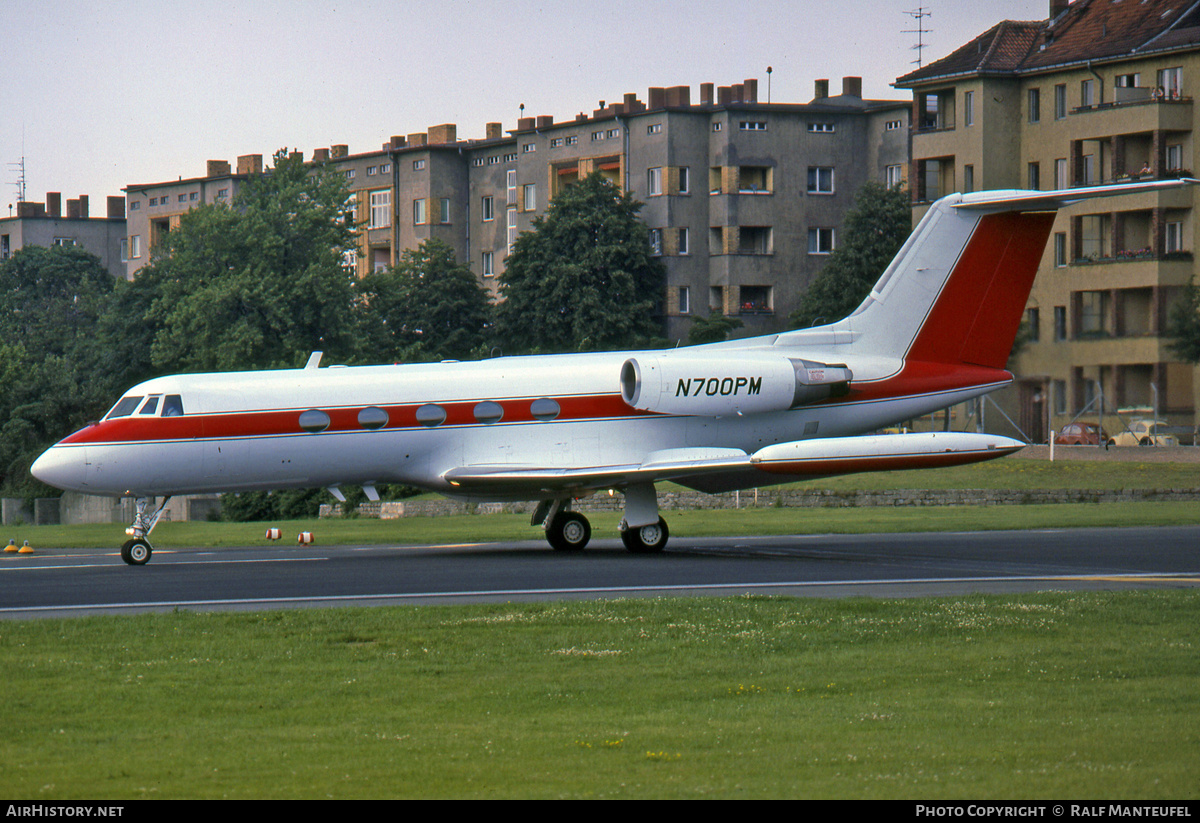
point(418, 165)
point(653, 182)
point(969, 108)
point(1170, 82)
point(419, 216)
point(820, 241)
point(381, 209)
point(556, 143)
point(124, 249)
point(968, 178)
point(488, 264)
point(573, 140)
point(597, 136)
point(1061, 180)
point(1060, 323)
point(684, 180)
point(753, 125)
point(684, 241)
point(1060, 249)
point(487, 208)
point(893, 125)
point(1060, 397)
point(826, 128)
point(1087, 93)
point(1033, 322)
point(1092, 313)
point(1034, 175)
point(654, 128)
point(656, 241)
point(135, 246)
point(1060, 101)
point(755, 179)
point(1174, 158)
point(512, 187)
point(444, 210)
point(528, 147)
point(716, 126)
point(1174, 237)
point(893, 176)
point(614, 132)
point(529, 196)
point(371, 170)
point(820, 180)
point(349, 174)
point(512, 229)
point(685, 300)
point(754, 240)
point(1035, 105)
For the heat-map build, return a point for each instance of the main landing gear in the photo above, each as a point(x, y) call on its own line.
point(569, 531)
point(137, 551)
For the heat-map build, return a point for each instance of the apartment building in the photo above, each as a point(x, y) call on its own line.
point(744, 198)
point(46, 224)
point(1098, 92)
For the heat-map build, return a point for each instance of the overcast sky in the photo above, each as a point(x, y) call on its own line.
point(100, 95)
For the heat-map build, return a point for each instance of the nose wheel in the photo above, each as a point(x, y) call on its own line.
point(136, 552)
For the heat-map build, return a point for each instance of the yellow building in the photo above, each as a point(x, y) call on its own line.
point(1098, 92)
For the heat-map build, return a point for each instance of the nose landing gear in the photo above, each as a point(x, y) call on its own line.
point(136, 552)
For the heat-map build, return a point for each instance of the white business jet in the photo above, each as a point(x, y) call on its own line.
point(936, 330)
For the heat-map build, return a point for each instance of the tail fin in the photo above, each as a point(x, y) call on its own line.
point(957, 290)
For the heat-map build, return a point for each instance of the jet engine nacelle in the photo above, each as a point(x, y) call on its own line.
point(731, 383)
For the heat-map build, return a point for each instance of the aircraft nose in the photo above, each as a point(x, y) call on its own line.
point(60, 467)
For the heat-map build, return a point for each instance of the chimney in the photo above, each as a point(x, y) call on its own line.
point(54, 204)
point(706, 94)
point(83, 206)
point(750, 91)
point(249, 164)
point(545, 121)
point(632, 104)
point(852, 87)
point(417, 139)
point(27, 209)
point(218, 168)
point(1057, 7)
point(298, 156)
point(445, 133)
point(525, 124)
point(320, 155)
point(656, 97)
point(821, 90)
point(679, 96)
point(397, 142)
point(116, 208)
point(339, 151)
point(493, 131)
point(724, 95)
point(72, 209)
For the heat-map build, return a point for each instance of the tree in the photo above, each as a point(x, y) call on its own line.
point(584, 279)
point(53, 378)
point(427, 307)
point(1183, 325)
point(712, 329)
point(259, 283)
point(874, 230)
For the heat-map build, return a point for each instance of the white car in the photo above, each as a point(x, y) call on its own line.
point(1144, 432)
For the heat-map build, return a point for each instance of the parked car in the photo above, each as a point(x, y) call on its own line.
point(1081, 434)
point(1144, 431)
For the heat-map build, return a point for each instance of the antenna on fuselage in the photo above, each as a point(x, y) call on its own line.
point(314, 360)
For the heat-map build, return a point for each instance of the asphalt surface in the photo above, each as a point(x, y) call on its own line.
point(64, 582)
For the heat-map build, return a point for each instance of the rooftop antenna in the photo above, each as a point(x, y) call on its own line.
point(20, 168)
point(920, 31)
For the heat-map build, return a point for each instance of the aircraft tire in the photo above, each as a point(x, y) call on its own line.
point(647, 539)
point(136, 552)
point(569, 532)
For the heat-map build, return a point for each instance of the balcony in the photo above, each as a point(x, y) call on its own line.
point(1150, 113)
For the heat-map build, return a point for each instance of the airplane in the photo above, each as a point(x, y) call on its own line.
point(935, 331)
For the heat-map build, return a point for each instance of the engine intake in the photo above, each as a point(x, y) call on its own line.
point(738, 383)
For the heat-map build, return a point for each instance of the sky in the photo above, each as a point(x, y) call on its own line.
point(98, 96)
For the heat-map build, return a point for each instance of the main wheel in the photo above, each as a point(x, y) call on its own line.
point(136, 552)
point(569, 532)
point(646, 539)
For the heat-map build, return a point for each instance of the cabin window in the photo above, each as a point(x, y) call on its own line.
point(314, 421)
point(431, 415)
point(151, 405)
point(172, 406)
point(488, 412)
point(125, 407)
point(373, 418)
point(544, 409)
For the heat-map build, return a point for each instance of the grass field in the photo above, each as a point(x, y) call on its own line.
point(1086, 695)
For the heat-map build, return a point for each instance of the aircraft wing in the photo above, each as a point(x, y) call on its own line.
point(717, 469)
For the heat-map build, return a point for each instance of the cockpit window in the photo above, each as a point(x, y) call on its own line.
point(172, 406)
point(151, 405)
point(125, 407)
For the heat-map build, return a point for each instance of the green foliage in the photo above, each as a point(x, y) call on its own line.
point(584, 279)
point(873, 232)
point(712, 329)
point(53, 378)
point(428, 307)
point(259, 283)
point(1183, 325)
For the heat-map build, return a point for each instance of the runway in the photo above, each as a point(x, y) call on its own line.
point(66, 582)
